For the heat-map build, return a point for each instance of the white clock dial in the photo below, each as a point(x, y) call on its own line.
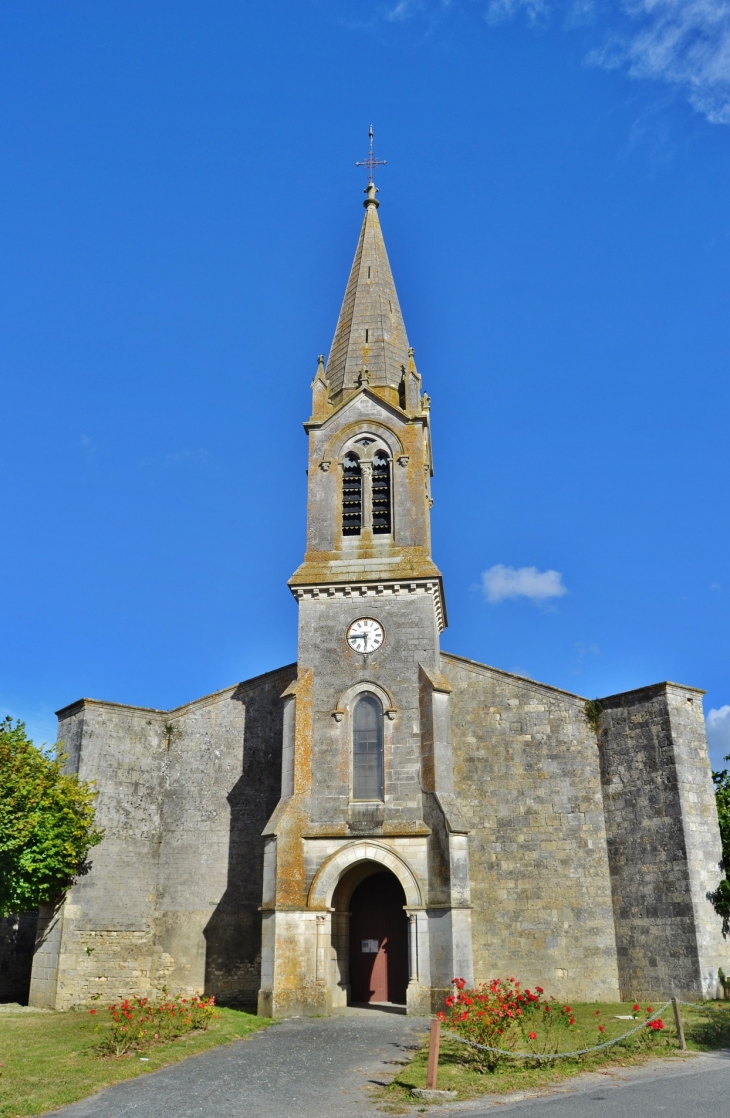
point(365, 635)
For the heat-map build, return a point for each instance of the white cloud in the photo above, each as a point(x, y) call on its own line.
point(500, 582)
point(684, 44)
point(718, 732)
point(406, 9)
point(498, 11)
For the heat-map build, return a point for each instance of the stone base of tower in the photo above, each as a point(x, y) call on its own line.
point(450, 952)
point(293, 963)
point(365, 934)
point(304, 960)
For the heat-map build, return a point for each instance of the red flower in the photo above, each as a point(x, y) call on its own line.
point(648, 1009)
point(635, 1008)
point(571, 1021)
point(92, 1011)
point(533, 1036)
point(601, 1029)
point(539, 990)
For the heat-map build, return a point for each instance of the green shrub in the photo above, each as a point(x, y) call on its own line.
point(46, 823)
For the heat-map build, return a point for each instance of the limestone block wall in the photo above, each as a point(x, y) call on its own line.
point(225, 784)
point(409, 621)
point(663, 841)
point(527, 781)
point(183, 797)
point(101, 938)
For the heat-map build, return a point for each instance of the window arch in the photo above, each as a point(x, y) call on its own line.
point(381, 493)
point(351, 495)
point(367, 748)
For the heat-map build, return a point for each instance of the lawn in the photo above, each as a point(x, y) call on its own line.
point(48, 1059)
point(705, 1030)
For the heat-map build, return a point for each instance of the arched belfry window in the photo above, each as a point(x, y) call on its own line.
point(351, 496)
point(367, 749)
point(381, 492)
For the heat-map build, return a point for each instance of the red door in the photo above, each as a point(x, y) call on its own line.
point(378, 941)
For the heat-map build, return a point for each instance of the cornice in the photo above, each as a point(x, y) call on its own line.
point(378, 590)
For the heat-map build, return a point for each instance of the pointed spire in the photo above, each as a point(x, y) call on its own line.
point(320, 391)
point(370, 344)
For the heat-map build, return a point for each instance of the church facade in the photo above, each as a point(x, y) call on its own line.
point(380, 817)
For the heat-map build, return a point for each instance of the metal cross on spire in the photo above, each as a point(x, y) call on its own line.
point(371, 161)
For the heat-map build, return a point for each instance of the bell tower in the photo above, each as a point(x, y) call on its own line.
point(366, 884)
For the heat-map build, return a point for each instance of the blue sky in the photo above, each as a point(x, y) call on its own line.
point(179, 207)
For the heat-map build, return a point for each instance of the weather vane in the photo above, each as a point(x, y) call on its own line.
point(371, 161)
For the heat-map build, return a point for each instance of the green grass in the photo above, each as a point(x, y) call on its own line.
point(704, 1031)
point(49, 1059)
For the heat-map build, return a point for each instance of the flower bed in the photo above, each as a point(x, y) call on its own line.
point(512, 1023)
point(138, 1023)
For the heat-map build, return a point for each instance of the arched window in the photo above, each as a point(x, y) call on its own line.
point(351, 496)
point(367, 749)
point(381, 492)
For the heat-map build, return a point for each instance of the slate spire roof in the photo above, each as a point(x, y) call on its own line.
point(371, 336)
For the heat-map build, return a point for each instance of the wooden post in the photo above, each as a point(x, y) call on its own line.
point(433, 1055)
point(678, 1023)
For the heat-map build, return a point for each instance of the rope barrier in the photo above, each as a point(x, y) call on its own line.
point(706, 1008)
point(561, 1055)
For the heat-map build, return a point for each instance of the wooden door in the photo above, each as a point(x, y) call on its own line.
point(378, 941)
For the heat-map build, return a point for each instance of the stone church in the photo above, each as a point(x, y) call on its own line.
point(380, 816)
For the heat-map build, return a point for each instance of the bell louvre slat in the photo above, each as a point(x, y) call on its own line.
point(351, 496)
point(381, 494)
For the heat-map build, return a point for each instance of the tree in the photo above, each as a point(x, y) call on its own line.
point(721, 896)
point(46, 823)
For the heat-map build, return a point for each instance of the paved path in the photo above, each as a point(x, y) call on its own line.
point(690, 1087)
point(323, 1067)
point(301, 1068)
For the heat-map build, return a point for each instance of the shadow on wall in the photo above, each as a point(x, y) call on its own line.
point(17, 943)
point(233, 933)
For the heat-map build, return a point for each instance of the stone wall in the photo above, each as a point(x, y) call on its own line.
point(172, 895)
point(527, 781)
point(338, 672)
point(663, 842)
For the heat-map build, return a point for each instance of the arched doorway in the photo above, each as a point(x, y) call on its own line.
point(378, 947)
point(333, 890)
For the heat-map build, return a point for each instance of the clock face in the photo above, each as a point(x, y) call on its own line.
point(365, 635)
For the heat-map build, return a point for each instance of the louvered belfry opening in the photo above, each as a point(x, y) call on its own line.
point(351, 496)
point(381, 493)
